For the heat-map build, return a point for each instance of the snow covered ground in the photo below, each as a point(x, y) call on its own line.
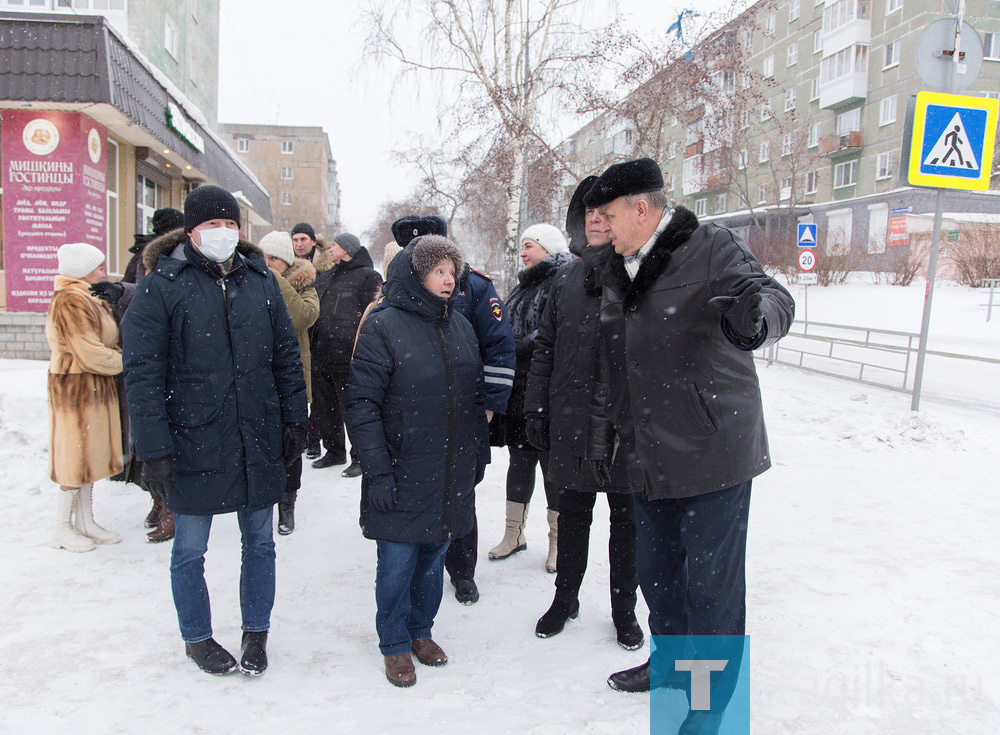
point(873, 603)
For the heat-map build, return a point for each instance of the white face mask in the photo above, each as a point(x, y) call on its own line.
point(219, 243)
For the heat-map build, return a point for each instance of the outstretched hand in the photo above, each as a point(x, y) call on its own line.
point(107, 290)
point(742, 308)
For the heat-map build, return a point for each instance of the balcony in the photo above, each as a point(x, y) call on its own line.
point(847, 90)
point(833, 144)
point(857, 31)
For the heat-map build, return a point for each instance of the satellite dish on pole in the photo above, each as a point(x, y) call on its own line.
point(935, 56)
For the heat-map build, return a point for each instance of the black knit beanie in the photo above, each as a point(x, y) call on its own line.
point(209, 202)
point(429, 250)
point(304, 228)
point(166, 219)
point(350, 243)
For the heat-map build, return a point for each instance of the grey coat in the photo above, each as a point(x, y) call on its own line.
point(679, 387)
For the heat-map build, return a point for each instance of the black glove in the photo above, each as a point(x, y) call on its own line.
point(742, 308)
point(536, 427)
point(382, 493)
point(108, 291)
point(602, 471)
point(157, 475)
point(293, 441)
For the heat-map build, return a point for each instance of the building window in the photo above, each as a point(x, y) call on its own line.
point(112, 208)
point(769, 67)
point(744, 159)
point(286, 198)
point(845, 174)
point(813, 135)
point(287, 147)
point(838, 231)
point(786, 144)
point(790, 99)
point(812, 182)
point(891, 6)
point(765, 110)
point(842, 12)
point(887, 111)
point(747, 80)
point(720, 203)
point(848, 122)
point(785, 192)
point(891, 54)
point(744, 119)
point(770, 23)
point(878, 227)
point(815, 90)
point(991, 46)
point(242, 145)
point(762, 194)
point(286, 173)
point(793, 10)
point(673, 149)
point(170, 37)
point(853, 59)
point(817, 41)
point(748, 38)
point(701, 207)
point(765, 152)
point(792, 56)
point(885, 165)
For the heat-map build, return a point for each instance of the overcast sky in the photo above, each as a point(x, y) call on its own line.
point(304, 62)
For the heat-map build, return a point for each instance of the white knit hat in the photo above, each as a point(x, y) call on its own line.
point(279, 245)
point(548, 237)
point(78, 259)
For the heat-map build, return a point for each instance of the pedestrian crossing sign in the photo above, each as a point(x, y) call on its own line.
point(952, 142)
point(807, 235)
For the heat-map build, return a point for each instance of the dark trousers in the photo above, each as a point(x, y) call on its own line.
point(329, 382)
point(460, 559)
point(293, 480)
point(576, 514)
point(521, 477)
point(691, 558)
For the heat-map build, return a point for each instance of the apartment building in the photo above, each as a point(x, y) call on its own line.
point(296, 165)
point(796, 115)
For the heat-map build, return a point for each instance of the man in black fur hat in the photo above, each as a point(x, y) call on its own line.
point(683, 307)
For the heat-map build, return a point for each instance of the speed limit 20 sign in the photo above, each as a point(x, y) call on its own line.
point(807, 261)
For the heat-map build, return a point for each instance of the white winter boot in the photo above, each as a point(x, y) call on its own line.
point(64, 535)
point(85, 523)
point(513, 536)
point(550, 560)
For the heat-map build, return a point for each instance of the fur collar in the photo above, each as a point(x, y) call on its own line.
point(165, 244)
point(301, 275)
point(682, 225)
point(321, 260)
point(545, 269)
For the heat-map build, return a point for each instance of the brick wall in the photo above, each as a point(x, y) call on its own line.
point(22, 336)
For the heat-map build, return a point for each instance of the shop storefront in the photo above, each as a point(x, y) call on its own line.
point(92, 142)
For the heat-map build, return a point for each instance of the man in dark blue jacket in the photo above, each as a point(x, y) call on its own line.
point(477, 301)
point(218, 407)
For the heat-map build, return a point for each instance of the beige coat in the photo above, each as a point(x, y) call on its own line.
point(303, 307)
point(85, 441)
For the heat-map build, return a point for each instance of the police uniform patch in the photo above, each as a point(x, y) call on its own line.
point(496, 309)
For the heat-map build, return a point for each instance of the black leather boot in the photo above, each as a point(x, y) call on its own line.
point(631, 680)
point(354, 470)
point(630, 636)
point(210, 657)
point(286, 518)
point(253, 661)
point(554, 619)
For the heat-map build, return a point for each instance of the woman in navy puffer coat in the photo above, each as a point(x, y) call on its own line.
point(416, 414)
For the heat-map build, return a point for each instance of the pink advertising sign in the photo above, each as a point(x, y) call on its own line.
point(54, 192)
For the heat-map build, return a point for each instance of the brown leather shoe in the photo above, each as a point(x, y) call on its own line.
point(165, 530)
point(153, 518)
point(428, 652)
point(399, 670)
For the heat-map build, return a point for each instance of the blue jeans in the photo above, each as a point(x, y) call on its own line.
point(187, 572)
point(691, 557)
point(409, 582)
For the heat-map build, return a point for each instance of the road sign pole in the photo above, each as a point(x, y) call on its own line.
point(925, 323)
